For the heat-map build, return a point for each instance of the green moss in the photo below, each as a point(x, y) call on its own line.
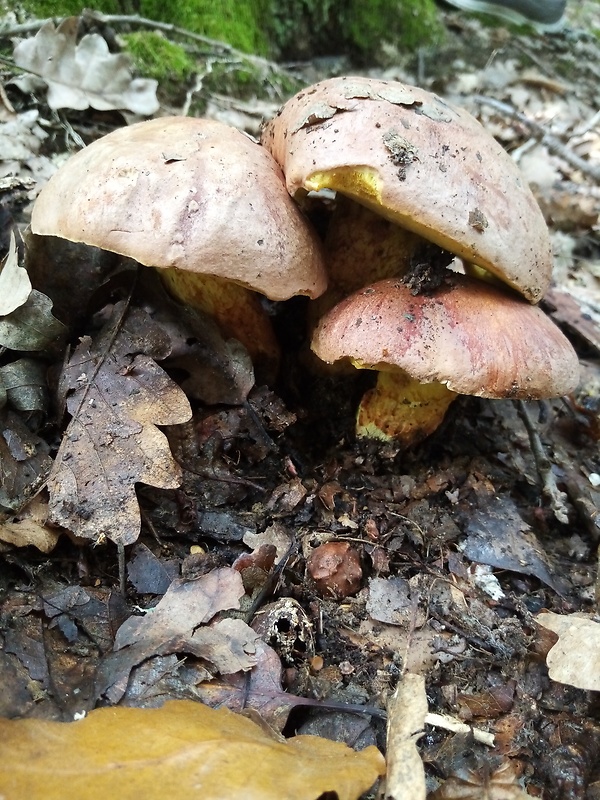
point(67, 8)
point(292, 29)
point(354, 28)
point(408, 25)
point(237, 22)
point(240, 23)
point(154, 56)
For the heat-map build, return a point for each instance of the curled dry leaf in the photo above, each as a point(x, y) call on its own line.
point(183, 749)
point(84, 74)
point(29, 528)
point(178, 624)
point(335, 569)
point(575, 658)
point(15, 286)
point(118, 395)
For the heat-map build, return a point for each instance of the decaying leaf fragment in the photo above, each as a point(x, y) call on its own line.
point(24, 461)
point(183, 749)
point(575, 658)
point(179, 624)
point(29, 528)
point(24, 382)
point(31, 326)
point(84, 74)
point(117, 397)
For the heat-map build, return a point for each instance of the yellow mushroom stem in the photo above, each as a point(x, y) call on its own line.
point(363, 247)
point(238, 312)
point(402, 410)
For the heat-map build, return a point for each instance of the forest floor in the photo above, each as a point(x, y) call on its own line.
point(450, 551)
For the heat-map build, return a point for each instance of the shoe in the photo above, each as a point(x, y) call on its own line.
point(545, 15)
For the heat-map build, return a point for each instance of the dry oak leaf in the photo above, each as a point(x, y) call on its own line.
point(183, 750)
point(575, 658)
point(84, 74)
point(179, 624)
point(118, 395)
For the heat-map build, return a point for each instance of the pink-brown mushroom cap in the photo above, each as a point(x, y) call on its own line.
point(429, 166)
point(188, 193)
point(468, 335)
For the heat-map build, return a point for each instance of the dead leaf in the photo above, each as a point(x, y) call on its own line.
point(20, 138)
point(406, 723)
point(15, 286)
point(389, 600)
point(575, 658)
point(84, 74)
point(183, 749)
point(174, 626)
point(498, 536)
point(24, 381)
point(118, 397)
point(31, 326)
point(29, 528)
point(24, 462)
point(485, 783)
point(149, 574)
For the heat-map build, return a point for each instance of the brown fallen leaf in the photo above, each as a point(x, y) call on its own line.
point(25, 461)
point(81, 74)
point(183, 749)
point(486, 783)
point(118, 395)
point(29, 528)
point(335, 569)
point(178, 624)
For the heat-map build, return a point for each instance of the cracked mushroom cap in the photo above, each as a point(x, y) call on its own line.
point(422, 163)
point(189, 193)
point(472, 337)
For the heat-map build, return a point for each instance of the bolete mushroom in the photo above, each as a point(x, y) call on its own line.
point(425, 183)
point(423, 164)
point(201, 201)
point(466, 337)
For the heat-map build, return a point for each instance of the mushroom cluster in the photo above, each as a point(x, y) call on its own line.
point(420, 183)
point(419, 186)
point(202, 202)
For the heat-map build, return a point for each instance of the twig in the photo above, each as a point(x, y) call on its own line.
point(553, 144)
point(455, 725)
point(544, 467)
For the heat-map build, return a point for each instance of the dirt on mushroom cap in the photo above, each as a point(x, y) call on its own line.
point(427, 165)
point(189, 193)
point(474, 338)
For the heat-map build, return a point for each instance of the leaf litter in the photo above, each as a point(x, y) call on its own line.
point(117, 395)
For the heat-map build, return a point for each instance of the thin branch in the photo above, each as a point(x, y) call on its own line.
point(544, 467)
point(553, 144)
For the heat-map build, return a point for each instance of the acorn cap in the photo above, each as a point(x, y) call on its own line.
point(472, 337)
point(421, 162)
point(188, 193)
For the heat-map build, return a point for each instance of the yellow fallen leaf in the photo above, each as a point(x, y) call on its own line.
point(183, 750)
